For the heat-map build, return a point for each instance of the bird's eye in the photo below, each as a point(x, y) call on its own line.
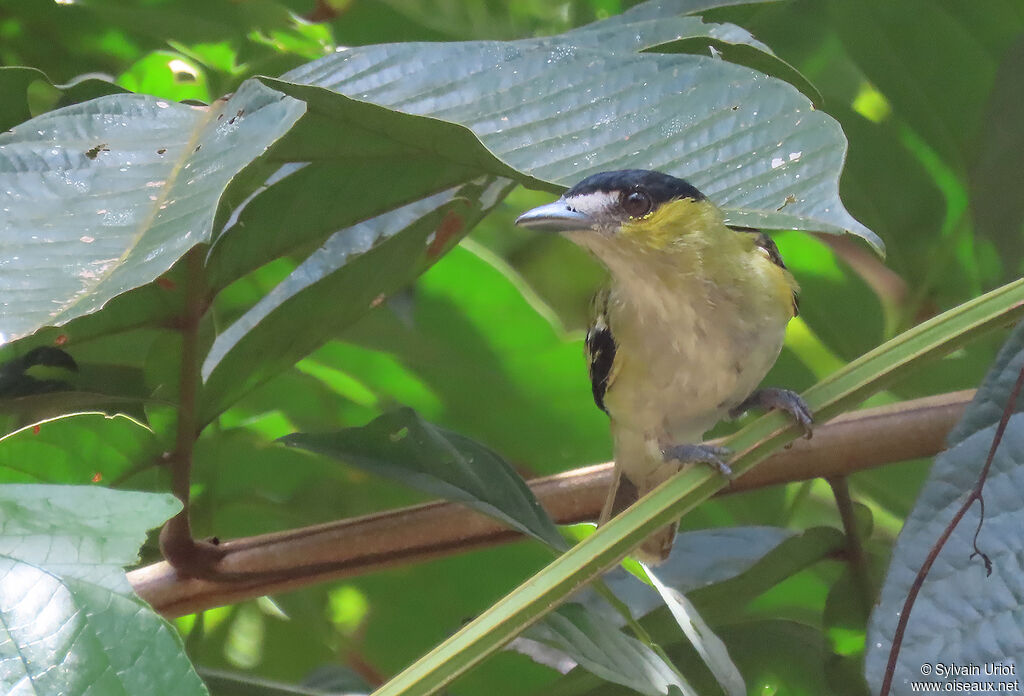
point(637, 204)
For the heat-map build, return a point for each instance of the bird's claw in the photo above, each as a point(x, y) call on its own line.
point(701, 454)
point(782, 400)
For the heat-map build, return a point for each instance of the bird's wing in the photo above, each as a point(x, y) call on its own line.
point(765, 242)
point(600, 350)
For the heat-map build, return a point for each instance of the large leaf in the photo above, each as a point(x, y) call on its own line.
point(402, 446)
point(70, 621)
point(363, 264)
point(662, 26)
point(561, 108)
point(987, 406)
point(319, 191)
point(103, 197)
point(657, 25)
point(961, 616)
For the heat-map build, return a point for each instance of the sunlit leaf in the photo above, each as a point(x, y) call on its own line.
point(754, 144)
point(79, 449)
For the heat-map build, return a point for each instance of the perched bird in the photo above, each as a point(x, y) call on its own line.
point(693, 319)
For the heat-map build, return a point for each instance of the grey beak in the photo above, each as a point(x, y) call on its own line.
point(556, 217)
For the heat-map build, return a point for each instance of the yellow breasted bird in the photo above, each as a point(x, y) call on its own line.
point(693, 319)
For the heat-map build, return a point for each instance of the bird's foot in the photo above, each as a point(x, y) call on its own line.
point(701, 454)
point(782, 400)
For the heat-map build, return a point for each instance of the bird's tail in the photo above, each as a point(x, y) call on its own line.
point(625, 491)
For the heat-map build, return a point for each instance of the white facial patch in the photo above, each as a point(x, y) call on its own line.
point(598, 205)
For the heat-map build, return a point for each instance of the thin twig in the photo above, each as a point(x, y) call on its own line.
point(298, 558)
point(855, 557)
point(975, 495)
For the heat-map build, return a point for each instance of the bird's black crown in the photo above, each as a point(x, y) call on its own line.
point(660, 187)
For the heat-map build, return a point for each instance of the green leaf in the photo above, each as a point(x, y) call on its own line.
point(944, 625)
point(657, 26)
point(739, 563)
point(104, 196)
point(37, 392)
point(15, 82)
point(660, 27)
point(986, 408)
point(900, 201)
point(777, 657)
point(167, 74)
point(149, 306)
point(703, 559)
point(76, 449)
point(401, 446)
point(604, 650)
point(995, 174)
point(726, 599)
point(66, 601)
point(402, 159)
point(559, 109)
point(363, 264)
point(610, 543)
point(942, 100)
point(709, 646)
point(466, 353)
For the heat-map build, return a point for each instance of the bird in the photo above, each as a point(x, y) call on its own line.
point(691, 321)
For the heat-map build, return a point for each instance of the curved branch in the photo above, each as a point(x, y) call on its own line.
point(289, 560)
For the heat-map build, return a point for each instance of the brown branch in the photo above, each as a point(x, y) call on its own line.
point(301, 557)
point(974, 496)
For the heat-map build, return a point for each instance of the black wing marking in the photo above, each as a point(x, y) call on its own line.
point(600, 349)
point(765, 242)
